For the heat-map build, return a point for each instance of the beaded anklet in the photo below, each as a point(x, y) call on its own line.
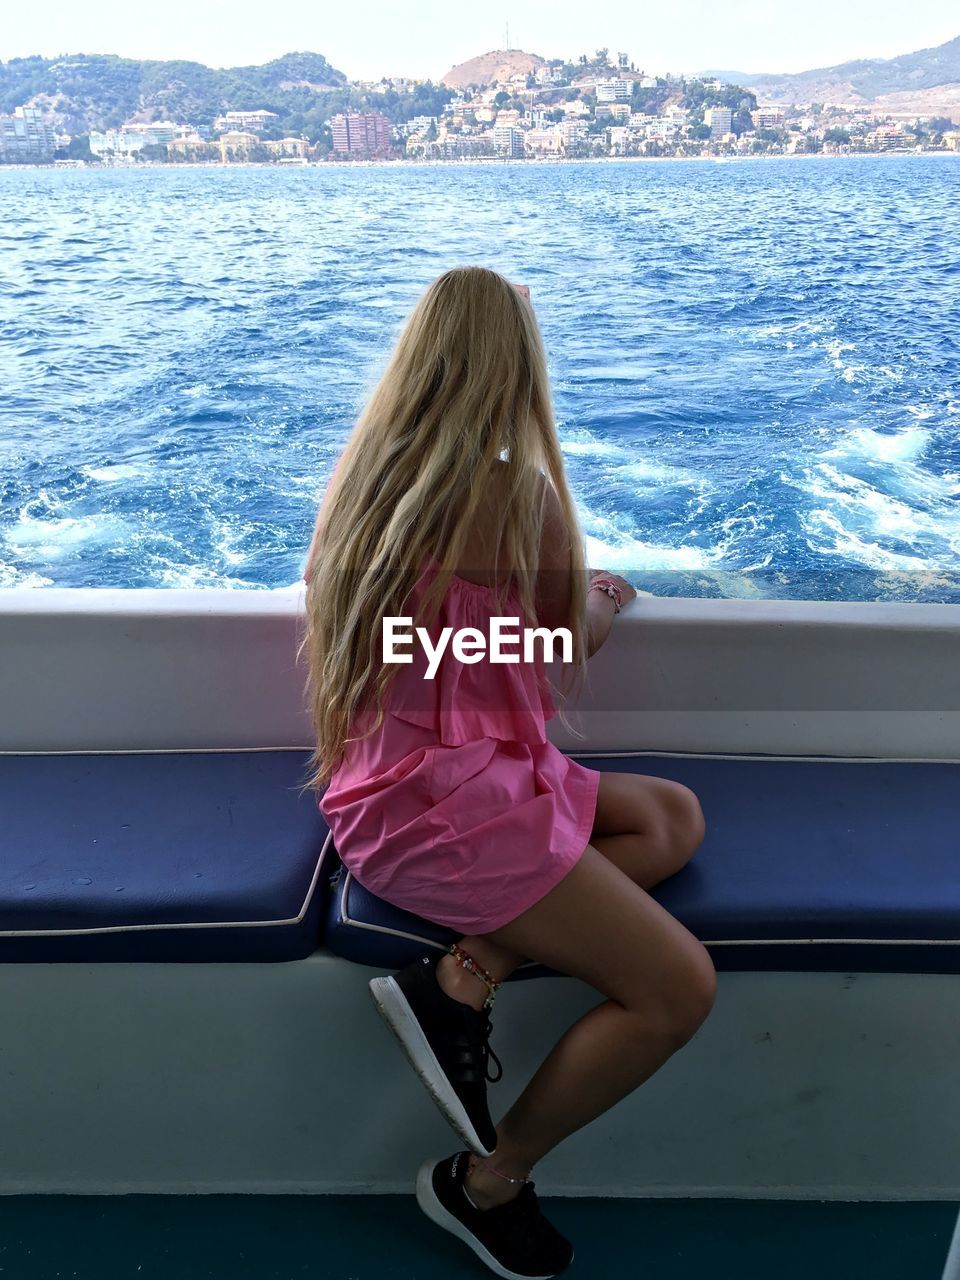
point(467, 962)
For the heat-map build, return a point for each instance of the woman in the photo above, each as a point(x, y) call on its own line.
point(449, 506)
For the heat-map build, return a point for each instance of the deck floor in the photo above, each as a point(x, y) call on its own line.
point(268, 1237)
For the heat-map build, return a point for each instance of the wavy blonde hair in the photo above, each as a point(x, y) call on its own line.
point(465, 390)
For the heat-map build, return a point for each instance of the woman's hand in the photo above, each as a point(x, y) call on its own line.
point(599, 615)
point(627, 592)
point(523, 290)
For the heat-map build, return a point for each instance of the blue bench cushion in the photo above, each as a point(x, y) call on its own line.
point(825, 864)
point(178, 856)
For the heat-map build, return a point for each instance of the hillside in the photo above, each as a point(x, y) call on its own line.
point(927, 80)
point(80, 92)
point(499, 64)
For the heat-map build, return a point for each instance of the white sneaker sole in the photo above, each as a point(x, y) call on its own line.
point(399, 1017)
point(435, 1211)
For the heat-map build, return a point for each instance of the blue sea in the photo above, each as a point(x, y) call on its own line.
point(754, 364)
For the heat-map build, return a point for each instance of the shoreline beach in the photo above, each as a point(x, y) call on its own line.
point(484, 160)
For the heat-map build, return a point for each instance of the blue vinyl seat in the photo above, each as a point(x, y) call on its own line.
point(177, 856)
point(825, 864)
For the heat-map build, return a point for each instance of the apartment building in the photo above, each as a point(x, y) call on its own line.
point(25, 137)
point(616, 90)
point(508, 139)
point(251, 121)
point(237, 144)
point(720, 120)
point(543, 141)
point(299, 148)
point(361, 133)
point(886, 136)
point(573, 133)
point(661, 127)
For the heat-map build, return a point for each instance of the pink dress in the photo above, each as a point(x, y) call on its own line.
point(458, 809)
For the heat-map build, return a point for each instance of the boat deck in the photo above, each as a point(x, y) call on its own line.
point(291, 1237)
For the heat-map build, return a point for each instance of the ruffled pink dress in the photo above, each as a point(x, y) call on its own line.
point(458, 809)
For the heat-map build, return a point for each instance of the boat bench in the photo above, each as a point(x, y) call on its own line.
point(828, 864)
point(167, 855)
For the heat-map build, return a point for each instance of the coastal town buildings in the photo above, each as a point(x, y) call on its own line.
point(131, 138)
point(193, 149)
point(557, 109)
point(251, 121)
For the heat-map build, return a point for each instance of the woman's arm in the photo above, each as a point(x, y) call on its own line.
point(600, 614)
point(554, 578)
point(553, 591)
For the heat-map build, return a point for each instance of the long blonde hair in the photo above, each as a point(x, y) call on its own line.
point(464, 390)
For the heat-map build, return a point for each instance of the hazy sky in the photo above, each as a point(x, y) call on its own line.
point(369, 39)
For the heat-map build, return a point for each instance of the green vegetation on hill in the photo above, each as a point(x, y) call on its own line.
point(101, 91)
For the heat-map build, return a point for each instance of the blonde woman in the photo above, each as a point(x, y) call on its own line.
point(449, 506)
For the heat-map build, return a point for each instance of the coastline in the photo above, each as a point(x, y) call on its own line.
point(482, 160)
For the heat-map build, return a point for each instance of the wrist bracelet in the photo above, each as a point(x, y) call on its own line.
point(609, 589)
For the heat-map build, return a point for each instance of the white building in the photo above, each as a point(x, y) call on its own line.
point(614, 90)
point(419, 124)
point(549, 141)
point(720, 120)
point(131, 138)
point(620, 137)
point(575, 109)
point(26, 137)
point(661, 127)
point(767, 118)
point(244, 120)
point(573, 132)
point(508, 139)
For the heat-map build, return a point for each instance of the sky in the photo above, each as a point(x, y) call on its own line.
point(424, 40)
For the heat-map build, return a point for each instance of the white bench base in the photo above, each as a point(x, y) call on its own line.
point(281, 1078)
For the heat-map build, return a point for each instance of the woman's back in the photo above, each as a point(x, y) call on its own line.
point(457, 807)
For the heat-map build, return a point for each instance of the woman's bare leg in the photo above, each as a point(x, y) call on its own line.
point(648, 827)
point(597, 925)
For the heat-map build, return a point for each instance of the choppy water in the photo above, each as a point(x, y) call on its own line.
point(754, 364)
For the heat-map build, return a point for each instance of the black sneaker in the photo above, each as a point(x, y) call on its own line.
point(514, 1239)
point(447, 1045)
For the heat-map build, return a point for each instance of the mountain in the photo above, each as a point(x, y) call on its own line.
point(80, 92)
point(926, 81)
point(499, 64)
point(729, 77)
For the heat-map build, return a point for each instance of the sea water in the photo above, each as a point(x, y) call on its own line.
point(754, 365)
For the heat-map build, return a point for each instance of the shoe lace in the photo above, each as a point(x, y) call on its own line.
point(488, 1052)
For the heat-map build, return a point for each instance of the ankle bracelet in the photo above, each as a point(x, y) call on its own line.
point(491, 1169)
point(466, 961)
